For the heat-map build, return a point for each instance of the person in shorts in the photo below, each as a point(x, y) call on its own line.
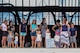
point(4, 33)
point(73, 35)
point(23, 31)
point(33, 28)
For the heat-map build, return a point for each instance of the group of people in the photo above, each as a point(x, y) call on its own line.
point(65, 34)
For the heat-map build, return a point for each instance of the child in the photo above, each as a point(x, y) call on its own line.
point(10, 39)
point(47, 37)
point(16, 40)
point(48, 34)
point(57, 38)
point(73, 35)
point(39, 38)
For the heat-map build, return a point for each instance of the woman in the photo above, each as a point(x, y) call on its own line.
point(64, 33)
point(11, 29)
point(56, 29)
point(43, 31)
point(4, 33)
point(33, 28)
point(23, 32)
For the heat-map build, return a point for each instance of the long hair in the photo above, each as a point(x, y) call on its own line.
point(42, 21)
point(64, 20)
point(33, 21)
point(10, 22)
point(5, 21)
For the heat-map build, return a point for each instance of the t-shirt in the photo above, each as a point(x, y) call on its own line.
point(16, 38)
point(57, 38)
point(4, 27)
point(48, 35)
point(72, 31)
point(34, 27)
point(23, 27)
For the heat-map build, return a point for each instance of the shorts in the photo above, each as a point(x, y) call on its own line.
point(15, 42)
point(72, 39)
point(23, 34)
point(9, 41)
point(33, 33)
point(57, 43)
point(4, 33)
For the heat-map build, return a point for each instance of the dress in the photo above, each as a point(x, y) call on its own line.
point(16, 40)
point(43, 30)
point(39, 37)
point(10, 38)
point(64, 35)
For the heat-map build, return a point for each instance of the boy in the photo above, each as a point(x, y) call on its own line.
point(73, 35)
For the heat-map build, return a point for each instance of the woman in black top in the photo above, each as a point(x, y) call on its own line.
point(56, 26)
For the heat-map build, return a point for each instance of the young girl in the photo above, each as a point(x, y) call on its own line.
point(16, 40)
point(39, 38)
point(10, 39)
point(47, 36)
point(57, 38)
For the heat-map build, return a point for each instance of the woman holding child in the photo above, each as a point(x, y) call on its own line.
point(56, 29)
point(11, 30)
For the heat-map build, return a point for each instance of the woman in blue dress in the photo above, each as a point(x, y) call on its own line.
point(65, 33)
point(33, 28)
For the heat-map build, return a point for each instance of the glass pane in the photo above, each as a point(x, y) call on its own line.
point(0, 1)
point(39, 18)
point(26, 2)
point(45, 3)
point(52, 2)
point(0, 17)
point(5, 1)
point(19, 2)
point(57, 4)
point(51, 20)
point(32, 2)
point(12, 2)
point(39, 2)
